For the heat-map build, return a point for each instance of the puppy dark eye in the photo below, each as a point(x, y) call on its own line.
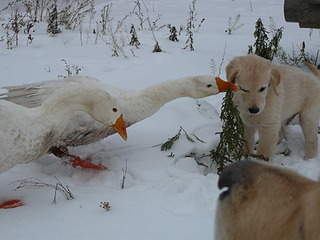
point(114, 109)
point(209, 85)
point(244, 90)
point(262, 89)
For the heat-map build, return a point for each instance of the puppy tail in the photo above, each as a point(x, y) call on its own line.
point(313, 69)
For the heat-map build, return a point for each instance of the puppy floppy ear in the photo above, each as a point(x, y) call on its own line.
point(275, 80)
point(232, 70)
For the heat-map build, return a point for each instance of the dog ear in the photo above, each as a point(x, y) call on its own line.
point(275, 80)
point(232, 71)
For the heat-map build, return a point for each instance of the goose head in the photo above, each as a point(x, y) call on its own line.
point(203, 86)
point(92, 100)
point(104, 109)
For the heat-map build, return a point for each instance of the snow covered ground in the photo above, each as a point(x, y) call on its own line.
point(164, 197)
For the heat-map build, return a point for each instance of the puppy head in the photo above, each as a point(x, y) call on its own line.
point(254, 76)
point(266, 202)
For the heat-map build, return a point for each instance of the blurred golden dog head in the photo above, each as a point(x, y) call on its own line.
point(263, 202)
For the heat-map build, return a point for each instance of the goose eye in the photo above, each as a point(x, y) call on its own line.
point(209, 85)
point(114, 109)
point(262, 89)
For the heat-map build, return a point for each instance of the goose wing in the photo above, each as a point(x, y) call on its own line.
point(34, 94)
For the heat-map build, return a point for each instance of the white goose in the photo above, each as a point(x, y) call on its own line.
point(135, 105)
point(27, 134)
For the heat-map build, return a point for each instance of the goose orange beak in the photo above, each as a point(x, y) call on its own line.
point(120, 127)
point(224, 86)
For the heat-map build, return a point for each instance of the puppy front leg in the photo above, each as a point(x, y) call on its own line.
point(249, 132)
point(268, 138)
point(309, 124)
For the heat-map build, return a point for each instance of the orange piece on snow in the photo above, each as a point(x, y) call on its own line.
point(11, 204)
point(78, 162)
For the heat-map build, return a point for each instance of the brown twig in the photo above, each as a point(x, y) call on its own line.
point(124, 174)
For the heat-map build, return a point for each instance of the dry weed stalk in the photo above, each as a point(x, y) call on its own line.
point(37, 183)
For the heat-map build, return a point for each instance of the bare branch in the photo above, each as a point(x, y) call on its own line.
point(37, 183)
point(124, 174)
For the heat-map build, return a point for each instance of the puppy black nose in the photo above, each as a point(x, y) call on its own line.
point(254, 109)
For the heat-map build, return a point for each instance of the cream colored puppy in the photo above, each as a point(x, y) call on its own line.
point(270, 95)
point(263, 202)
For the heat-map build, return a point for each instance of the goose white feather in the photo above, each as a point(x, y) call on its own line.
point(135, 105)
point(27, 134)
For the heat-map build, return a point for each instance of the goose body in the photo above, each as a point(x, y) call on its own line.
point(22, 137)
point(135, 105)
point(27, 134)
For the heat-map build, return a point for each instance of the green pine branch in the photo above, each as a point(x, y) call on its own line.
point(263, 45)
point(231, 144)
point(167, 145)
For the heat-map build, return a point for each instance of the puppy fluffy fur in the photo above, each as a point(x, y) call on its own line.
point(270, 95)
point(264, 202)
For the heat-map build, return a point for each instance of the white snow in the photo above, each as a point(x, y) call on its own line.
point(164, 197)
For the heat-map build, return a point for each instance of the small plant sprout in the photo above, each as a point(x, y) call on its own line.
point(70, 69)
point(116, 42)
point(173, 33)
point(157, 47)
point(28, 31)
point(134, 41)
point(114, 35)
point(105, 205)
point(298, 57)
point(222, 59)
point(191, 26)
point(213, 64)
point(233, 25)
